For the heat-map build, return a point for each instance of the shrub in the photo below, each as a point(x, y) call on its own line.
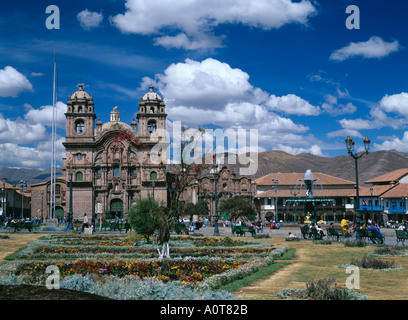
point(78, 283)
point(394, 250)
point(321, 290)
point(372, 263)
point(349, 243)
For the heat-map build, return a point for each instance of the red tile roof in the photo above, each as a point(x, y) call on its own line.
point(291, 179)
point(390, 177)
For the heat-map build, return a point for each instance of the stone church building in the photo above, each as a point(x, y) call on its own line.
point(110, 164)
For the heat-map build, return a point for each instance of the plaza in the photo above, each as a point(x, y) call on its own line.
point(299, 262)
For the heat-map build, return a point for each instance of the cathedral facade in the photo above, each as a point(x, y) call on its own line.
point(109, 165)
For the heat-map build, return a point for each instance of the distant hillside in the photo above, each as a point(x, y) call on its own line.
point(31, 176)
point(372, 165)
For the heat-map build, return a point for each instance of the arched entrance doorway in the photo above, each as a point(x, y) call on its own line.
point(59, 213)
point(116, 208)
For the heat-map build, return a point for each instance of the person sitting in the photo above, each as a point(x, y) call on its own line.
point(193, 226)
point(380, 238)
point(320, 231)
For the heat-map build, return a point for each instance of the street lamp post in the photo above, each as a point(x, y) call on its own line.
point(153, 185)
point(4, 196)
point(216, 231)
point(372, 204)
point(23, 186)
point(70, 213)
point(14, 200)
point(275, 187)
point(350, 149)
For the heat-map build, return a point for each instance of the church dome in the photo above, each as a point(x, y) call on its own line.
point(151, 95)
point(80, 94)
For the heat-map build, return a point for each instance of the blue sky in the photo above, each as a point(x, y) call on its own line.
point(290, 69)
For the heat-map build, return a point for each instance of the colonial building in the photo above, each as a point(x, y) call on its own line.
point(284, 196)
point(110, 165)
point(388, 196)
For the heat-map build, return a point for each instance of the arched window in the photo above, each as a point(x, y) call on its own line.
point(80, 127)
point(80, 109)
point(153, 175)
point(116, 171)
point(79, 176)
point(151, 126)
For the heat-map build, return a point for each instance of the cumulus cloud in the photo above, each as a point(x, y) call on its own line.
point(209, 83)
point(394, 143)
point(375, 47)
point(391, 111)
point(195, 19)
point(292, 104)
point(38, 157)
point(13, 82)
point(21, 132)
point(89, 20)
point(212, 92)
point(44, 115)
point(314, 149)
point(396, 103)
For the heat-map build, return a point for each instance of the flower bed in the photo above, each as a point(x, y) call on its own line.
point(205, 264)
point(372, 263)
point(98, 248)
point(167, 270)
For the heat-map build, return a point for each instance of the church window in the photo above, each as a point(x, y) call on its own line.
point(78, 156)
point(151, 126)
point(98, 170)
point(153, 175)
point(116, 171)
point(79, 176)
point(80, 109)
point(80, 127)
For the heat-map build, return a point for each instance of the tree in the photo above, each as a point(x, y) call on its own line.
point(145, 217)
point(238, 207)
point(179, 176)
point(200, 208)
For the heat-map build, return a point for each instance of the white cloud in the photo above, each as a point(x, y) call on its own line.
point(182, 41)
point(88, 19)
point(13, 82)
point(44, 115)
point(211, 92)
point(314, 149)
point(394, 143)
point(195, 18)
point(38, 157)
point(292, 104)
point(375, 47)
point(209, 83)
point(397, 103)
point(21, 132)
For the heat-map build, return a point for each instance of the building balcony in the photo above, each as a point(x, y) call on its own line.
point(371, 208)
point(397, 210)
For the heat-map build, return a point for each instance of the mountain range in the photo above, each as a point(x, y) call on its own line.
point(370, 165)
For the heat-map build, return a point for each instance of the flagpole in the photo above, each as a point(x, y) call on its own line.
point(52, 189)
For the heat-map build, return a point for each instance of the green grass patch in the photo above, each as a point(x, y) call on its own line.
point(288, 255)
point(14, 255)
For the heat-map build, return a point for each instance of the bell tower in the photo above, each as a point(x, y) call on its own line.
point(80, 117)
point(152, 115)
